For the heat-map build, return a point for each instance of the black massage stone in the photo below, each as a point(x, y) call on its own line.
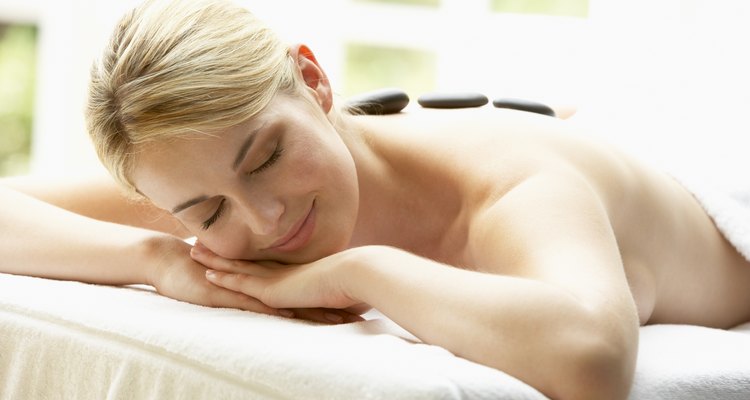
point(452, 100)
point(523, 105)
point(379, 102)
point(391, 101)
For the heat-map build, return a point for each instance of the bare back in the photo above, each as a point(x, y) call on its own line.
point(679, 267)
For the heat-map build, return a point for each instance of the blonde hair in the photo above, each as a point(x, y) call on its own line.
point(176, 67)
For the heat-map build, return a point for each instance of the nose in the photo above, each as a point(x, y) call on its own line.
point(263, 214)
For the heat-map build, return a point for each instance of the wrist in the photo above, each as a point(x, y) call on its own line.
point(154, 254)
point(365, 271)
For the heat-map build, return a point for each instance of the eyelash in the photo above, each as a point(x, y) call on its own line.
point(220, 210)
point(271, 160)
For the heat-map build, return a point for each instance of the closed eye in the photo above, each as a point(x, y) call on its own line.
point(271, 160)
point(220, 210)
point(210, 221)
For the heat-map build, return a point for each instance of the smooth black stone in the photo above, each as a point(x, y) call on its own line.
point(452, 100)
point(524, 105)
point(379, 102)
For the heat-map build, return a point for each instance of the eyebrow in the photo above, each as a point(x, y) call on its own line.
point(246, 147)
point(188, 204)
point(240, 156)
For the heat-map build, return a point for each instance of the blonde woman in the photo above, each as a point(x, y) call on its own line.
point(503, 236)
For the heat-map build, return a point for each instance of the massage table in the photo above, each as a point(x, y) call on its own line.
point(71, 340)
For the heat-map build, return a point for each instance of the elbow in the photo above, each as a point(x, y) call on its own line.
point(601, 375)
point(577, 362)
point(602, 368)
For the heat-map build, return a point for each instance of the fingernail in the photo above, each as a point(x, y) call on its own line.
point(196, 251)
point(286, 313)
point(334, 317)
point(211, 274)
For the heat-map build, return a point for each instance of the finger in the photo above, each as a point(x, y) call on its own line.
point(213, 261)
point(254, 286)
point(221, 297)
point(359, 309)
point(250, 285)
point(326, 315)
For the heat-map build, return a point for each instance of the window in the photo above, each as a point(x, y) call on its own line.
point(530, 49)
point(572, 8)
point(370, 67)
point(17, 70)
point(430, 3)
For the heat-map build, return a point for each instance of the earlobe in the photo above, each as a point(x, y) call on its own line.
point(313, 75)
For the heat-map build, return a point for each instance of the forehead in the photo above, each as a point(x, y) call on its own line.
point(166, 172)
point(169, 172)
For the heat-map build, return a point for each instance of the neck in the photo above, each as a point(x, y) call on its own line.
point(397, 205)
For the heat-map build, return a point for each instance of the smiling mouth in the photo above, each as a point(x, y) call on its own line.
point(299, 234)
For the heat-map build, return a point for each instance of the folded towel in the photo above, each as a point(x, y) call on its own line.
point(727, 203)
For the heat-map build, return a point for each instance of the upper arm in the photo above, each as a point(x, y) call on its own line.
point(553, 227)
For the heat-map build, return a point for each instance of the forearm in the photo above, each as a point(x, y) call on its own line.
point(38, 239)
point(98, 198)
point(527, 328)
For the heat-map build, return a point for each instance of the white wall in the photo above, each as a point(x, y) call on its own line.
point(672, 85)
point(668, 63)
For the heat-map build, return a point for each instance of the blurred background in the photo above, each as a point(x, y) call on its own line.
point(657, 76)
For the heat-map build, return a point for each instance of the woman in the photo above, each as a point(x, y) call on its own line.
point(78, 231)
point(502, 236)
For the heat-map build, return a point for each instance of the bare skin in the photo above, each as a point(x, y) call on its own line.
point(680, 268)
point(548, 248)
point(529, 213)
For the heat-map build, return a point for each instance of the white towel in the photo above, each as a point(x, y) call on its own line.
point(727, 203)
point(72, 340)
point(682, 362)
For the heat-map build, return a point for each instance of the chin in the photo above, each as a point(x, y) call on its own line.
point(319, 250)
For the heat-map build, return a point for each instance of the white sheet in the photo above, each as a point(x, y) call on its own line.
point(681, 362)
point(73, 340)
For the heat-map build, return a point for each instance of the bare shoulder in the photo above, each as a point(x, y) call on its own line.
point(504, 147)
point(545, 200)
point(540, 196)
point(540, 188)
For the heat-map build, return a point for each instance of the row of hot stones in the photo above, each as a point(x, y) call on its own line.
point(391, 101)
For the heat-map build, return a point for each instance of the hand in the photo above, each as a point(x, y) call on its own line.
point(308, 286)
point(174, 274)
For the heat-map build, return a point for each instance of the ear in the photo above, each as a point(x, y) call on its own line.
point(313, 75)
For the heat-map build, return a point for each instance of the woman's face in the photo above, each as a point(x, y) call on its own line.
point(281, 186)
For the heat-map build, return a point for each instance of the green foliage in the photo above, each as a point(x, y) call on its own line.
point(17, 71)
point(428, 3)
point(374, 67)
point(573, 8)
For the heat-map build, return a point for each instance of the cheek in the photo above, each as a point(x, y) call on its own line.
point(325, 160)
point(305, 172)
point(228, 246)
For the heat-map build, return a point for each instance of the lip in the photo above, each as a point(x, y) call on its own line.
point(298, 235)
